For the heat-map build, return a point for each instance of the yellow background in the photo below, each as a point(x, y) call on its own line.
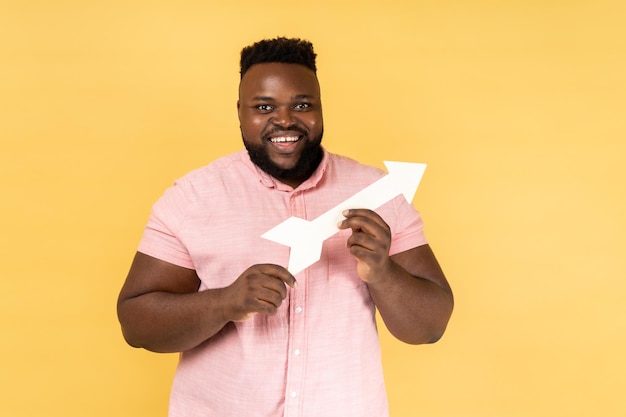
point(518, 107)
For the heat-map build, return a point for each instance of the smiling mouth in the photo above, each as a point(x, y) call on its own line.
point(285, 139)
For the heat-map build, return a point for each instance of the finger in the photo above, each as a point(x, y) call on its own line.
point(362, 240)
point(369, 225)
point(265, 295)
point(269, 301)
point(366, 213)
point(278, 272)
point(367, 249)
point(363, 246)
point(261, 283)
point(259, 307)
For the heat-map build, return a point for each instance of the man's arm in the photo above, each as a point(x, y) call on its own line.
point(160, 308)
point(409, 288)
point(415, 306)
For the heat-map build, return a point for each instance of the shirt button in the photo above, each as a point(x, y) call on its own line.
point(298, 309)
point(294, 394)
point(297, 352)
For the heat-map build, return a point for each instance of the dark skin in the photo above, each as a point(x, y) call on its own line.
point(159, 306)
point(280, 111)
point(409, 289)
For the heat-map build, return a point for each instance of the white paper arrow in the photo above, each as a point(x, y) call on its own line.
point(306, 237)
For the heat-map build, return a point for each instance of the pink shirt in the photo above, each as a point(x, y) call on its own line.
point(319, 355)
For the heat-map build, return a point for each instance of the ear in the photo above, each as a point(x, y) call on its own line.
point(238, 105)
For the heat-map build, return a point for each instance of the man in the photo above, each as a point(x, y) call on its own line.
point(256, 340)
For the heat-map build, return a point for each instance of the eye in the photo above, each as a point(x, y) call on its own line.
point(264, 108)
point(302, 106)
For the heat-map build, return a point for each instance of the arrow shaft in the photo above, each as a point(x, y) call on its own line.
point(371, 197)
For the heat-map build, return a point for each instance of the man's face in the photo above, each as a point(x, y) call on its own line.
point(280, 116)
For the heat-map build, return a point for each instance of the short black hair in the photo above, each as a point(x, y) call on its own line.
point(282, 50)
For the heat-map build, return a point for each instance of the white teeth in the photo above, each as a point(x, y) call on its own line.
point(284, 139)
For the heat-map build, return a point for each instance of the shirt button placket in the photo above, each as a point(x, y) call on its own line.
point(297, 334)
point(297, 347)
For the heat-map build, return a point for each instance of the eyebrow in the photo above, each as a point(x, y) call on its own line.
point(297, 97)
point(301, 96)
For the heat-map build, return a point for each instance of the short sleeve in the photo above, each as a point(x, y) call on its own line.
point(408, 230)
point(161, 237)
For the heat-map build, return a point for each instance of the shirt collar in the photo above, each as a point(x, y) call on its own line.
point(271, 182)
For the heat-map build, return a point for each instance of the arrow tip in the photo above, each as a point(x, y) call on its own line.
point(408, 175)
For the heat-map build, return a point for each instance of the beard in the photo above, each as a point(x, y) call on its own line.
point(310, 159)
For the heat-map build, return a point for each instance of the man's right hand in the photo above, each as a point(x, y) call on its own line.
point(259, 289)
point(161, 309)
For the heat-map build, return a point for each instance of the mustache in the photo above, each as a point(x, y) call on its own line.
point(293, 128)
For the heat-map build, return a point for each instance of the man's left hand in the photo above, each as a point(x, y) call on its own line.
point(369, 243)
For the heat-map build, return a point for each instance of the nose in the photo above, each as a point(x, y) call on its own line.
point(283, 117)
